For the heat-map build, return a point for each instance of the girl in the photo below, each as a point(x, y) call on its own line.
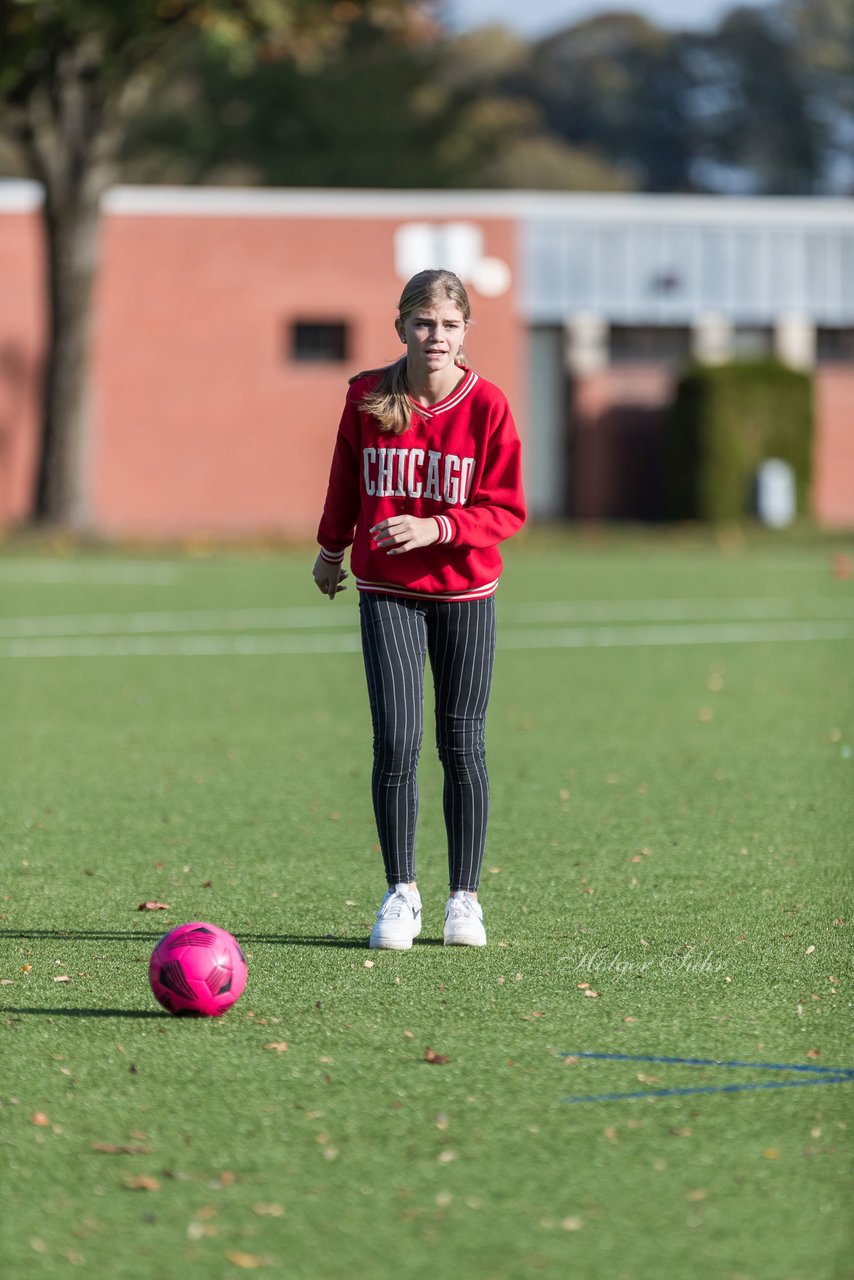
point(425, 482)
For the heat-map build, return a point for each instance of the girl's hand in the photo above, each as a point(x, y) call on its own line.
point(329, 577)
point(405, 533)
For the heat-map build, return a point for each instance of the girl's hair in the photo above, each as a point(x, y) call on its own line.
point(389, 401)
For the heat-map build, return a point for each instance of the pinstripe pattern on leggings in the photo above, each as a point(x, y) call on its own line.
point(397, 636)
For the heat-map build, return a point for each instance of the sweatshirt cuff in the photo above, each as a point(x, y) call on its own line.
point(446, 529)
point(331, 557)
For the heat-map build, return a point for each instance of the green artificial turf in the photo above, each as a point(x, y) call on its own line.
point(668, 875)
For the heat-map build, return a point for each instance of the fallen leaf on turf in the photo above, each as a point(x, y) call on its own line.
point(409, 1035)
point(39, 1118)
point(227, 1178)
point(699, 1193)
point(63, 977)
point(201, 1230)
point(119, 1149)
point(446, 1157)
point(771, 1153)
point(538, 1013)
point(280, 1046)
point(810, 950)
point(26, 968)
point(645, 1079)
point(611, 1134)
point(268, 1210)
point(7, 982)
point(438, 1059)
point(813, 1053)
point(153, 906)
point(572, 1224)
point(839, 921)
point(582, 986)
point(594, 995)
point(246, 1260)
point(681, 1133)
point(369, 964)
point(141, 1182)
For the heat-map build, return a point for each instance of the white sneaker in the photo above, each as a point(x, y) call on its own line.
point(464, 921)
point(398, 920)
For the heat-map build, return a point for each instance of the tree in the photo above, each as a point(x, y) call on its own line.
point(616, 85)
point(73, 74)
point(822, 32)
point(494, 131)
point(363, 116)
point(755, 130)
point(441, 120)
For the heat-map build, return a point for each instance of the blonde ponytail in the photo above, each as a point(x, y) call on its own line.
point(389, 401)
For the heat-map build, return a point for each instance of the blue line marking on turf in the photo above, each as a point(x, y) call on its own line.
point(819, 1075)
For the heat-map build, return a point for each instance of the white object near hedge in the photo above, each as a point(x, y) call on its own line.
point(776, 502)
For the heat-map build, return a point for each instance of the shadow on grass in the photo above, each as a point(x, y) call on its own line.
point(359, 943)
point(89, 1013)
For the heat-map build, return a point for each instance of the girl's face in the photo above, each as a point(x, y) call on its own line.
point(433, 335)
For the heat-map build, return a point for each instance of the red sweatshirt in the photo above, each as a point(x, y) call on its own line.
point(459, 463)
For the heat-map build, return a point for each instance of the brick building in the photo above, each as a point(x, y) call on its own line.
point(227, 322)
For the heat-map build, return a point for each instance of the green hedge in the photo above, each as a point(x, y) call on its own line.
point(725, 419)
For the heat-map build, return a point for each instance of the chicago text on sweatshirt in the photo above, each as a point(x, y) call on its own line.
point(459, 463)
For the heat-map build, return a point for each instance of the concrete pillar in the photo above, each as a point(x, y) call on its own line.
point(586, 343)
point(795, 340)
point(712, 338)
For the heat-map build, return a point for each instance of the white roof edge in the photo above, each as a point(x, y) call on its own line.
point(268, 202)
point(520, 205)
point(17, 195)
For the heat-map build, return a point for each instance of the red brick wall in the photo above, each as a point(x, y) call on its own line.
point(201, 420)
point(616, 420)
point(21, 327)
point(617, 436)
point(203, 423)
point(833, 452)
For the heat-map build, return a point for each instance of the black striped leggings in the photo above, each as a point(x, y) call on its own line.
point(397, 635)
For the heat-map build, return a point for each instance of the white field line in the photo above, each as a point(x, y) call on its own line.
point(98, 624)
point(116, 573)
point(311, 618)
point(574, 638)
point(713, 609)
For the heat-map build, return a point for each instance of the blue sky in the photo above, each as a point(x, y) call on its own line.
point(539, 17)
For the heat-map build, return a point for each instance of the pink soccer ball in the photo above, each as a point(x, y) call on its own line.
point(197, 968)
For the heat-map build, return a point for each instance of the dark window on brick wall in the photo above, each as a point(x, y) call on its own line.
point(313, 341)
point(653, 344)
point(835, 346)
